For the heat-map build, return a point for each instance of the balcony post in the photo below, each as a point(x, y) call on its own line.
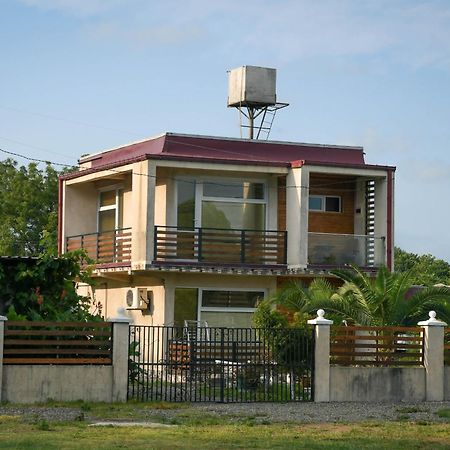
point(242, 246)
point(200, 237)
point(155, 242)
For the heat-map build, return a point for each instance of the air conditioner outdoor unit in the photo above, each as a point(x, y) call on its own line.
point(137, 298)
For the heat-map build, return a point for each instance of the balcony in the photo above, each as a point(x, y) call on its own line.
point(220, 246)
point(326, 249)
point(104, 248)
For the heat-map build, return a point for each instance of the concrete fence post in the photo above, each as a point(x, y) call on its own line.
point(3, 319)
point(121, 325)
point(433, 357)
point(321, 357)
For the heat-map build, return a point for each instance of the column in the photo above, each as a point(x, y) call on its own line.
point(434, 357)
point(297, 183)
point(321, 357)
point(121, 325)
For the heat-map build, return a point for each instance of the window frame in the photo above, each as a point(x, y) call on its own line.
point(324, 203)
point(199, 197)
point(116, 206)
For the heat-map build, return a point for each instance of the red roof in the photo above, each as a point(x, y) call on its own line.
point(239, 151)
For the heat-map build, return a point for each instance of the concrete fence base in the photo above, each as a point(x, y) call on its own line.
point(382, 384)
point(23, 383)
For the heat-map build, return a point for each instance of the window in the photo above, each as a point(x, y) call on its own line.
point(222, 203)
point(218, 307)
point(233, 205)
point(110, 210)
point(326, 203)
point(228, 308)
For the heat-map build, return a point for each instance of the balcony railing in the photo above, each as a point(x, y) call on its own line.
point(339, 249)
point(213, 245)
point(107, 247)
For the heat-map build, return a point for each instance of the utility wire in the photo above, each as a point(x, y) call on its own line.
point(181, 180)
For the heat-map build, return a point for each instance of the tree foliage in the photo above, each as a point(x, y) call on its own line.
point(28, 208)
point(425, 269)
point(45, 289)
point(386, 299)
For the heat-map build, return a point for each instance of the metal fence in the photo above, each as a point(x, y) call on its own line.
point(220, 364)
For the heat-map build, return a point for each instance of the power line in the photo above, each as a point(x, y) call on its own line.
point(32, 146)
point(34, 159)
point(181, 180)
point(63, 119)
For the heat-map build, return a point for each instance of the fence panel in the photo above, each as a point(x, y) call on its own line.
point(377, 346)
point(220, 364)
point(57, 343)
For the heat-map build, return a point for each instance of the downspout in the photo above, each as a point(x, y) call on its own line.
point(390, 202)
point(60, 199)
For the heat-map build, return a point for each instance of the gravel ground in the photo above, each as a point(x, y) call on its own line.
point(259, 412)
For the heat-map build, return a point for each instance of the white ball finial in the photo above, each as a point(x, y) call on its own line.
point(432, 321)
point(320, 319)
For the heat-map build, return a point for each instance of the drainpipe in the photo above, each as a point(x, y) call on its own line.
point(390, 227)
point(59, 232)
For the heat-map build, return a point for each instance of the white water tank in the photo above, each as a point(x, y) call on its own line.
point(252, 86)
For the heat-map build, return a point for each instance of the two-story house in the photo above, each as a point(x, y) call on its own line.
point(202, 227)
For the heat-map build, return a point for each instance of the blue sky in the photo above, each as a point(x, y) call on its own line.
point(78, 76)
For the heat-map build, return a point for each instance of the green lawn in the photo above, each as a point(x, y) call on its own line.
point(212, 432)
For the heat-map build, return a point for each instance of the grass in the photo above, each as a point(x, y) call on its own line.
point(197, 430)
point(444, 412)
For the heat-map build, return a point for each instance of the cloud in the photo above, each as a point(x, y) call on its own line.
point(80, 8)
point(146, 36)
point(429, 171)
point(414, 33)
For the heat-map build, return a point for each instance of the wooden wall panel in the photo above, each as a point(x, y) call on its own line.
point(329, 222)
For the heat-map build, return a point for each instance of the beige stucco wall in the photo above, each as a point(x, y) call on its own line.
point(377, 384)
point(80, 209)
point(81, 204)
point(447, 383)
point(32, 384)
point(112, 293)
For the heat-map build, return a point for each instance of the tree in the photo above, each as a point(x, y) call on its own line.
point(425, 269)
point(28, 208)
point(385, 299)
point(301, 302)
point(45, 288)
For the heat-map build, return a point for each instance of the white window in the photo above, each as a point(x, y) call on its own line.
point(222, 203)
point(219, 307)
point(228, 308)
point(325, 203)
point(109, 209)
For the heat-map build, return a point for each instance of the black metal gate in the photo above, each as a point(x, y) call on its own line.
point(199, 364)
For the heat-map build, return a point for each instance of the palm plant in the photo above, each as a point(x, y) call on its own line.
point(365, 300)
point(385, 300)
